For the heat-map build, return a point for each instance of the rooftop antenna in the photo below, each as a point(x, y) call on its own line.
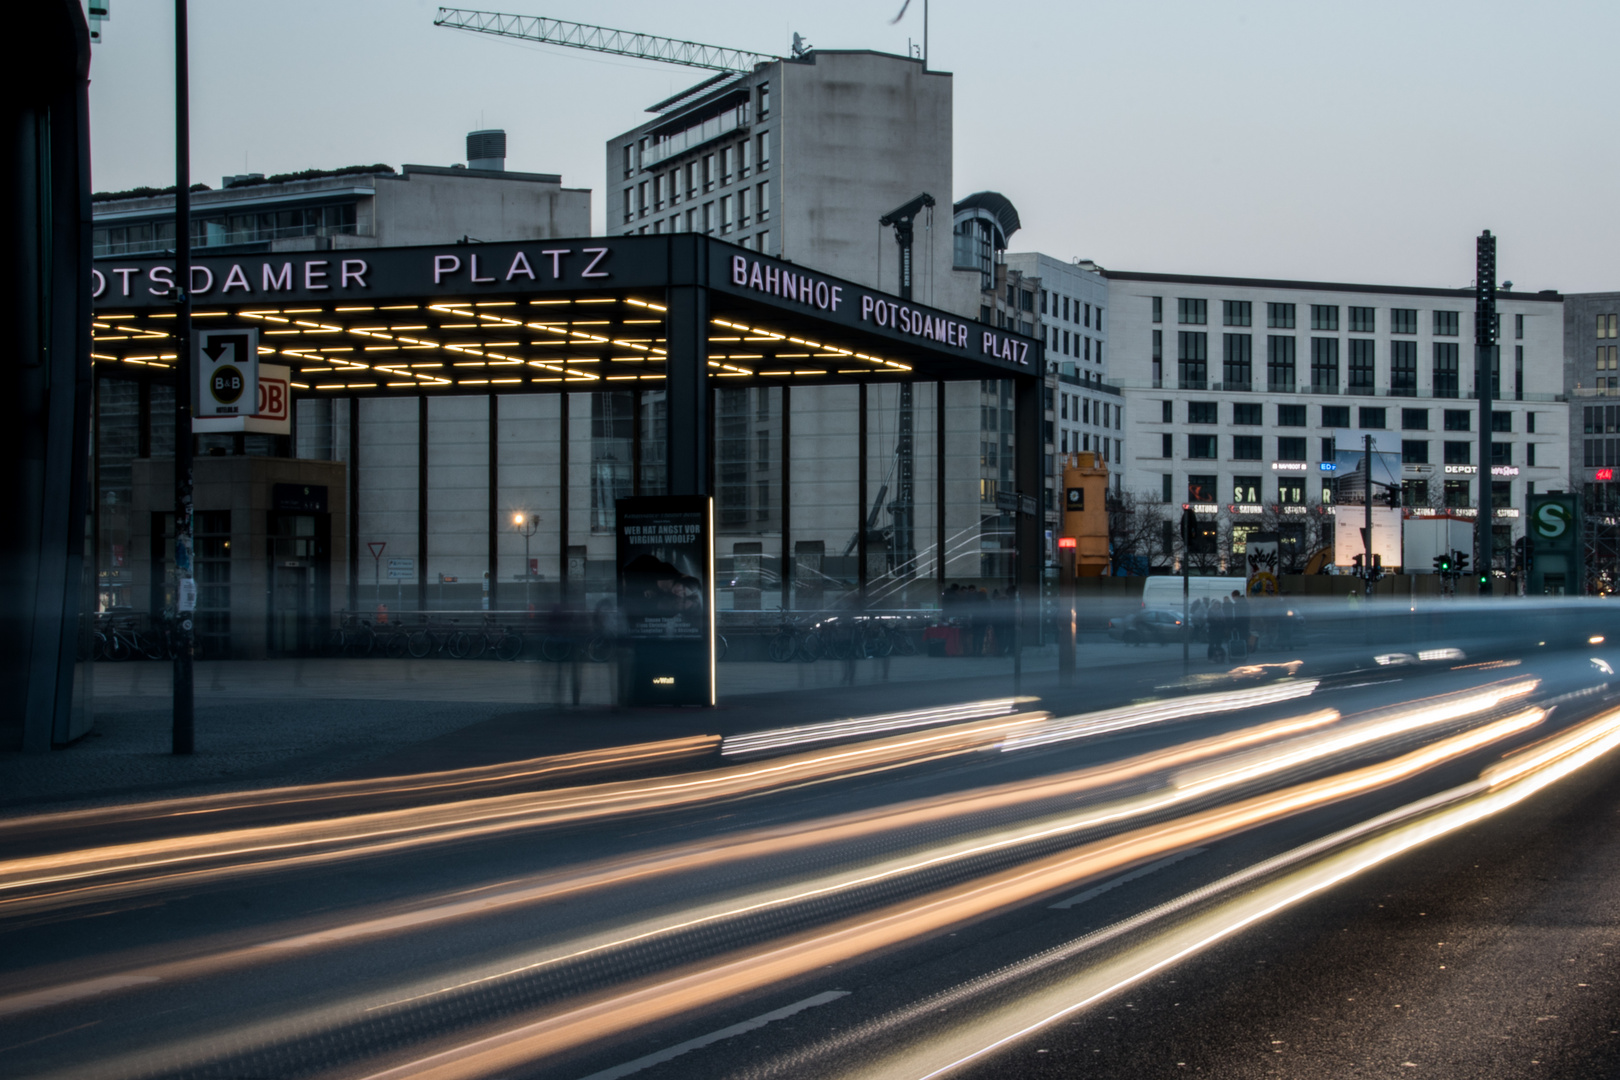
point(903, 9)
point(800, 46)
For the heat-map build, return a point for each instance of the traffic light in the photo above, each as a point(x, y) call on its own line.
point(1459, 561)
point(1442, 564)
point(1357, 562)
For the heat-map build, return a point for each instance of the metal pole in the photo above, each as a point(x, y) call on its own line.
point(1484, 348)
point(1066, 615)
point(1188, 524)
point(1366, 504)
point(184, 733)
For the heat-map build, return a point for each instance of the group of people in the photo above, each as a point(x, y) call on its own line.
point(985, 618)
point(1223, 622)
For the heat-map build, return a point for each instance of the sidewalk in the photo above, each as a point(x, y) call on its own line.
point(532, 683)
point(287, 722)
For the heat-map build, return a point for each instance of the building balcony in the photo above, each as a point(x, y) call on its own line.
point(693, 137)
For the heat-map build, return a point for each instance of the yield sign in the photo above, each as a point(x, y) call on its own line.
point(376, 547)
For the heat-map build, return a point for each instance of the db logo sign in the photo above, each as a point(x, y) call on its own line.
point(272, 397)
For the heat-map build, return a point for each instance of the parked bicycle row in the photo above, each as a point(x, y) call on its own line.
point(453, 639)
point(843, 637)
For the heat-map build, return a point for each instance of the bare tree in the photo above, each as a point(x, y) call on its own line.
point(1136, 533)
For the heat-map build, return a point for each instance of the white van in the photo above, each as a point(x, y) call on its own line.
point(1164, 593)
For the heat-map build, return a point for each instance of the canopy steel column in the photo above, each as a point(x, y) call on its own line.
point(562, 498)
point(861, 521)
point(786, 569)
point(1027, 480)
point(686, 380)
point(421, 502)
point(354, 504)
point(939, 485)
point(494, 506)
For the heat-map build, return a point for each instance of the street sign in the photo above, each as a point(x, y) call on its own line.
point(402, 575)
point(1007, 501)
point(1028, 506)
point(402, 564)
point(376, 547)
point(228, 372)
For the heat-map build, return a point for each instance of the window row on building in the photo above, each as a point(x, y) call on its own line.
point(1081, 442)
point(1295, 448)
point(218, 230)
point(1367, 417)
point(1056, 306)
point(1285, 371)
point(1084, 410)
point(701, 176)
point(1192, 311)
point(1075, 345)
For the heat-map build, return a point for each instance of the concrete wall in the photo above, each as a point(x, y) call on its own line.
point(863, 133)
point(432, 208)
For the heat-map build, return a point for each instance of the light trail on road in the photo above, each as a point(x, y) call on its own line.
point(831, 891)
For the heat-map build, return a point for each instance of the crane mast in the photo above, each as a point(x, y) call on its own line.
point(602, 39)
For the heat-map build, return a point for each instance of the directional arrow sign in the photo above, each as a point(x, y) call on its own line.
point(227, 372)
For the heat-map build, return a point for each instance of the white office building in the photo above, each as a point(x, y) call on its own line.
point(1240, 393)
point(1088, 412)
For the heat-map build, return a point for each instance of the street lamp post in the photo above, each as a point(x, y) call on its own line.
point(528, 525)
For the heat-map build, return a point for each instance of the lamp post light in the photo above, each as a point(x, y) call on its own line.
point(528, 525)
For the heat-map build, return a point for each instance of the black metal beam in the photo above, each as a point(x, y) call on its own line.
point(1028, 445)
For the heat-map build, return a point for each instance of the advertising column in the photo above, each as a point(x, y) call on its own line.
point(666, 597)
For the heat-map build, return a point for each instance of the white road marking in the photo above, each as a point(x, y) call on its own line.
point(1139, 872)
point(701, 1041)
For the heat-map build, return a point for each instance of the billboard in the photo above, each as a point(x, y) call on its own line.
point(1351, 482)
point(1386, 535)
point(665, 565)
point(1261, 558)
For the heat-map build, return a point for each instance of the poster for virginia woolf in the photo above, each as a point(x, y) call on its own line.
point(666, 596)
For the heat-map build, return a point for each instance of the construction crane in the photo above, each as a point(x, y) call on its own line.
point(602, 39)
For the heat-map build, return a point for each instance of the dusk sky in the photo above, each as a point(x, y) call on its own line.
point(1336, 142)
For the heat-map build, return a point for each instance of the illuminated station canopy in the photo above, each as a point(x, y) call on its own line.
point(583, 314)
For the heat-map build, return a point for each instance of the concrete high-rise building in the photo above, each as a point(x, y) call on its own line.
point(799, 159)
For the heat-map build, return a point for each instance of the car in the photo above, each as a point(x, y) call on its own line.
point(1150, 625)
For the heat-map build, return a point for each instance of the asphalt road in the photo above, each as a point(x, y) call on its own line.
point(1240, 873)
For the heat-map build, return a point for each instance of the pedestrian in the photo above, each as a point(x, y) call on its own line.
point(981, 617)
point(1240, 619)
point(1219, 629)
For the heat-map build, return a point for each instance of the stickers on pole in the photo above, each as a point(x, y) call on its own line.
point(227, 372)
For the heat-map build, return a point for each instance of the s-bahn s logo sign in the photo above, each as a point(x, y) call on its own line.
point(227, 366)
point(1553, 522)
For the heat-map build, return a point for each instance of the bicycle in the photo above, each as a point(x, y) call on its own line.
point(795, 641)
point(508, 643)
point(352, 637)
